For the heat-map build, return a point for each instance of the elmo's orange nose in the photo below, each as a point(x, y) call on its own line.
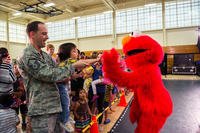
point(125, 40)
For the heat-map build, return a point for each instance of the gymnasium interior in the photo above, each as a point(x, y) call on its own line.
point(100, 25)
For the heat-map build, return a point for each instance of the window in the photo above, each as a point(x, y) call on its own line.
point(170, 15)
point(121, 22)
point(3, 31)
point(195, 11)
point(60, 30)
point(100, 24)
point(17, 32)
point(139, 18)
point(182, 13)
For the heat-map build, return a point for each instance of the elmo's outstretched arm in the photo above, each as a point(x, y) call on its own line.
point(112, 70)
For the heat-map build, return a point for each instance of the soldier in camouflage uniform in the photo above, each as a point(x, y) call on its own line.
point(40, 75)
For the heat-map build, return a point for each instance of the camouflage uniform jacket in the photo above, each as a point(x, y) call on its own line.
point(40, 74)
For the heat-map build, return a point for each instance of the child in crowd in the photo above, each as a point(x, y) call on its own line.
point(65, 52)
point(107, 95)
point(19, 96)
point(8, 116)
point(98, 90)
point(94, 89)
point(82, 55)
point(87, 75)
point(50, 50)
point(82, 113)
point(68, 54)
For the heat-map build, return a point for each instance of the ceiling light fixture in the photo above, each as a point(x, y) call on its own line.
point(49, 4)
point(41, 8)
point(17, 14)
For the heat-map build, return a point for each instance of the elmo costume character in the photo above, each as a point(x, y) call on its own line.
point(152, 103)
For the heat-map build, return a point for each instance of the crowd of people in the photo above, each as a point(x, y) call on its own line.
point(54, 92)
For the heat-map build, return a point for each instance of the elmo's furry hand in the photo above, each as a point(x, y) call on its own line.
point(111, 65)
point(110, 57)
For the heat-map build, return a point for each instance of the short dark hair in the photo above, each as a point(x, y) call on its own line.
point(33, 26)
point(94, 55)
point(82, 53)
point(6, 99)
point(64, 51)
point(3, 53)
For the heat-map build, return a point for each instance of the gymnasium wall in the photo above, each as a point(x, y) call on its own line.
point(16, 49)
point(174, 37)
point(182, 36)
point(3, 44)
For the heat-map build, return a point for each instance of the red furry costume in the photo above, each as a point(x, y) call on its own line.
point(152, 103)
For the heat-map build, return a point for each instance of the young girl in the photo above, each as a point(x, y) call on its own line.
point(82, 113)
point(68, 54)
point(97, 93)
